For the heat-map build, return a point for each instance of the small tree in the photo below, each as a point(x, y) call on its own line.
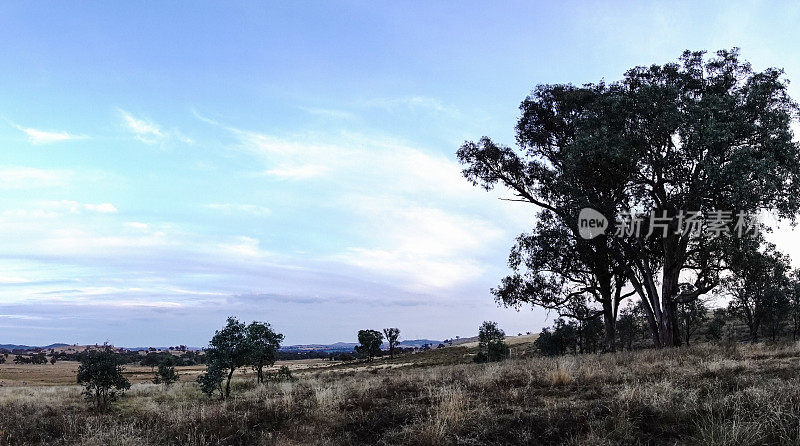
point(757, 285)
point(370, 341)
point(629, 325)
point(100, 373)
point(391, 337)
point(284, 374)
point(152, 360)
point(793, 295)
point(561, 339)
point(491, 343)
point(263, 345)
point(211, 380)
point(229, 350)
point(691, 316)
point(714, 330)
point(166, 373)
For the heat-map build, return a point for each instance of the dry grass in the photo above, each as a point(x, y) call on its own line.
point(728, 395)
point(65, 372)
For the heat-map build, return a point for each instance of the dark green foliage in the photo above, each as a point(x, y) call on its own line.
point(391, 337)
point(691, 316)
point(371, 341)
point(793, 294)
point(630, 326)
point(263, 344)
point(235, 346)
point(153, 359)
point(702, 134)
point(284, 374)
point(101, 375)
point(38, 358)
point(125, 357)
point(758, 286)
point(211, 380)
point(229, 350)
point(575, 336)
point(491, 343)
point(561, 339)
point(166, 373)
point(716, 325)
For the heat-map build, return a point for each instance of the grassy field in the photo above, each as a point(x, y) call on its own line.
point(64, 372)
point(726, 395)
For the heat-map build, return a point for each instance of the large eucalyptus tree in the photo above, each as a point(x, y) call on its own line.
point(699, 136)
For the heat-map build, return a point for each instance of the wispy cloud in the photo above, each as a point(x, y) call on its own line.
point(329, 113)
point(38, 137)
point(29, 177)
point(150, 132)
point(298, 172)
point(7, 280)
point(240, 208)
point(425, 246)
point(413, 211)
point(76, 207)
point(413, 103)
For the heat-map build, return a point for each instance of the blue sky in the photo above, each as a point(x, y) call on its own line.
point(166, 164)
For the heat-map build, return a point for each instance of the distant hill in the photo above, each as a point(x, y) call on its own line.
point(416, 343)
point(339, 347)
point(29, 347)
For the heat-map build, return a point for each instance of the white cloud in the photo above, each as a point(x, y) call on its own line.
point(241, 247)
point(6, 280)
point(426, 246)
point(103, 208)
point(243, 208)
point(36, 136)
point(328, 113)
point(137, 225)
point(29, 177)
point(413, 216)
point(149, 132)
point(76, 207)
point(413, 103)
point(146, 131)
point(23, 317)
point(300, 172)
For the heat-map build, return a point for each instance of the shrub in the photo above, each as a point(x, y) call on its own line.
point(101, 375)
point(491, 343)
point(211, 380)
point(166, 373)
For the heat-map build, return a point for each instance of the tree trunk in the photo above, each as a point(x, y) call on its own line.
point(668, 327)
point(609, 326)
point(228, 383)
point(753, 332)
point(688, 330)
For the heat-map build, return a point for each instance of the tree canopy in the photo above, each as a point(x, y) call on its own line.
point(100, 373)
point(700, 136)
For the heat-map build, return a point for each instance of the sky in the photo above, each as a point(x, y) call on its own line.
point(164, 165)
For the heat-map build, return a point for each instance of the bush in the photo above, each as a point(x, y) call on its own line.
point(166, 373)
point(211, 380)
point(491, 343)
point(284, 374)
point(101, 375)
